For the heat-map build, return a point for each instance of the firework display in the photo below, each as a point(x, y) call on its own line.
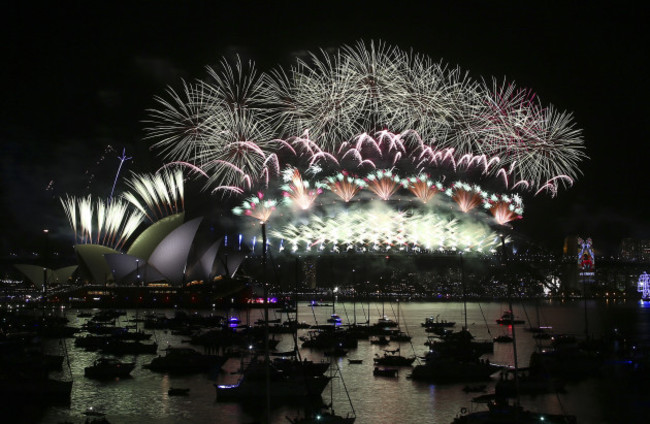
point(383, 183)
point(257, 207)
point(381, 229)
point(467, 197)
point(423, 188)
point(344, 185)
point(94, 221)
point(162, 193)
point(366, 148)
point(111, 223)
point(239, 124)
point(297, 191)
point(505, 208)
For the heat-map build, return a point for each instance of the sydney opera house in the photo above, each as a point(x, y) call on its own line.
point(167, 253)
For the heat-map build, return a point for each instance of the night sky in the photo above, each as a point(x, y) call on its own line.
point(78, 78)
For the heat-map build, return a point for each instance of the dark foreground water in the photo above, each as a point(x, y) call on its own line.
point(376, 400)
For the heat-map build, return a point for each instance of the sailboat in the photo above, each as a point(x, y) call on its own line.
point(539, 332)
point(326, 414)
point(284, 386)
point(283, 381)
point(455, 358)
point(500, 411)
point(399, 335)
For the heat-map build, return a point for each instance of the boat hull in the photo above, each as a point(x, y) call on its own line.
point(285, 389)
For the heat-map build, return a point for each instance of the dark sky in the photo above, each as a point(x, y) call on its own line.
point(78, 77)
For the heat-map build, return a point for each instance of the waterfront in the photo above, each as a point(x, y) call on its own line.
point(144, 398)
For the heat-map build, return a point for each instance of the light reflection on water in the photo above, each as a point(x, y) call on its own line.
point(143, 398)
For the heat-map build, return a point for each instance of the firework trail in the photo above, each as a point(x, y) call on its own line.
point(122, 159)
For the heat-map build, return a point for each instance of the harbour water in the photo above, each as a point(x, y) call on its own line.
point(143, 398)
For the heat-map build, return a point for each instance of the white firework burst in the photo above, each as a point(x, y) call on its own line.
point(240, 127)
point(316, 97)
point(157, 195)
point(115, 224)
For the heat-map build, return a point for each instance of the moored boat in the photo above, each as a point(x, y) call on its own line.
point(508, 318)
point(393, 359)
point(324, 417)
point(500, 412)
point(385, 372)
point(282, 388)
point(185, 361)
point(177, 391)
point(285, 386)
point(451, 370)
point(107, 368)
point(121, 347)
point(432, 322)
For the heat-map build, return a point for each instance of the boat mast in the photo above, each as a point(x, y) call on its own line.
point(462, 281)
point(266, 327)
point(514, 339)
point(584, 299)
point(295, 301)
point(354, 305)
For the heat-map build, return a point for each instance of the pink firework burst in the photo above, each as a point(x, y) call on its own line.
point(344, 185)
point(383, 183)
point(502, 213)
point(256, 207)
point(505, 208)
point(466, 196)
point(423, 188)
point(297, 190)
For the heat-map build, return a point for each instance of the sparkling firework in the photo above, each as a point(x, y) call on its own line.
point(538, 142)
point(162, 193)
point(505, 208)
point(241, 128)
point(219, 125)
point(467, 197)
point(257, 208)
point(344, 185)
point(297, 191)
point(423, 188)
point(113, 223)
point(383, 183)
point(381, 230)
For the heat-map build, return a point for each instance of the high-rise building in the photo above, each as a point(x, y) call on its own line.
point(644, 250)
point(635, 250)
